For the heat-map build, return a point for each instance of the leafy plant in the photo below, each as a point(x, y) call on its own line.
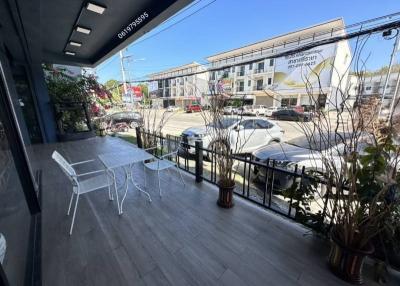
point(75, 98)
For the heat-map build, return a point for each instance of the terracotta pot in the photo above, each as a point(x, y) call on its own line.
point(347, 263)
point(225, 196)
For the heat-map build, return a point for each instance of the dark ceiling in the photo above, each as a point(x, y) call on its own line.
point(59, 17)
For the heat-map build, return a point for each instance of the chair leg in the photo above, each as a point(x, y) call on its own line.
point(70, 202)
point(73, 216)
point(145, 174)
point(180, 174)
point(159, 183)
point(110, 195)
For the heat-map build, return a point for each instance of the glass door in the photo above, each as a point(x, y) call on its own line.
point(19, 206)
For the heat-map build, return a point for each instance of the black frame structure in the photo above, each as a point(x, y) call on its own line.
point(30, 189)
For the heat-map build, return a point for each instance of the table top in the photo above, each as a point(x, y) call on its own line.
point(120, 159)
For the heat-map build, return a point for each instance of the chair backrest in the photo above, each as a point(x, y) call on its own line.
point(65, 166)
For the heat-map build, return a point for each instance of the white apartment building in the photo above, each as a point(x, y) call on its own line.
point(179, 86)
point(289, 80)
point(373, 85)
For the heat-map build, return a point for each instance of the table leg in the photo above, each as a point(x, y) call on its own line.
point(137, 185)
point(116, 190)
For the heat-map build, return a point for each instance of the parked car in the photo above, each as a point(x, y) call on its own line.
point(172, 108)
point(297, 151)
point(254, 110)
point(129, 119)
point(230, 110)
point(249, 133)
point(272, 109)
point(290, 114)
point(193, 108)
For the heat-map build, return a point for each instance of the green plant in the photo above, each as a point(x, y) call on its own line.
point(75, 98)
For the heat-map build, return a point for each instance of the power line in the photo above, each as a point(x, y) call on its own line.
point(173, 24)
point(356, 33)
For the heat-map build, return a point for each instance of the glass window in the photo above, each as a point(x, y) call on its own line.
point(271, 62)
point(269, 81)
point(247, 124)
point(262, 124)
point(249, 83)
point(15, 217)
point(251, 66)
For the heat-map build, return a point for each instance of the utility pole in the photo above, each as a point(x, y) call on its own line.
point(385, 88)
point(121, 57)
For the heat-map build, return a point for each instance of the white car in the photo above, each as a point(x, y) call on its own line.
point(254, 110)
point(249, 134)
point(172, 108)
point(272, 109)
point(229, 110)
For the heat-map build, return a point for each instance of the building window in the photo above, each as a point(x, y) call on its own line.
point(368, 88)
point(251, 66)
point(269, 81)
point(213, 75)
point(240, 86)
point(271, 62)
point(260, 67)
point(249, 83)
point(232, 69)
point(259, 85)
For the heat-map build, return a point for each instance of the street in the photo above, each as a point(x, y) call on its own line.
point(178, 121)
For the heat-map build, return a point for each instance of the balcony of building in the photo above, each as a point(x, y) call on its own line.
point(182, 238)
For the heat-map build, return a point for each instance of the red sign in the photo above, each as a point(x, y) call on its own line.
point(137, 91)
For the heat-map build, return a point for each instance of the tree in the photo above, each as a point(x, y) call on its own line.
point(116, 89)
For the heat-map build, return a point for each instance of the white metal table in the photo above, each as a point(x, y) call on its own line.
point(125, 160)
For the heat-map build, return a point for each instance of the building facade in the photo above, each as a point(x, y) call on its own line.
point(373, 85)
point(179, 86)
point(258, 75)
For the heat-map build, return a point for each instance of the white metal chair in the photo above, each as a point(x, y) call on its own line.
point(96, 180)
point(161, 164)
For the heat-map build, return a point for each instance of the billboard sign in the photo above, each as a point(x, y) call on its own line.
point(307, 69)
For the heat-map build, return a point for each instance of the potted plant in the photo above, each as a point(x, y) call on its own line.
point(355, 151)
point(73, 98)
point(222, 148)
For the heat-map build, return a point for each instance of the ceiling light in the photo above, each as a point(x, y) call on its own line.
point(69, 53)
point(83, 30)
point(76, 44)
point(95, 8)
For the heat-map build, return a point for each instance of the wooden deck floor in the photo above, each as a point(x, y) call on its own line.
point(182, 238)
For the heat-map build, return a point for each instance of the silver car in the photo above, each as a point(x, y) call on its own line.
point(250, 133)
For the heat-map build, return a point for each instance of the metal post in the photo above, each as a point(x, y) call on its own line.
point(121, 57)
point(199, 161)
point(395, 49)
point(139, 137)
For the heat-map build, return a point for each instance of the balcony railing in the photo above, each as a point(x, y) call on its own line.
point(258, 70)
point(240, 73)
point(258, 87)
point(270, 194)
point(239, 88)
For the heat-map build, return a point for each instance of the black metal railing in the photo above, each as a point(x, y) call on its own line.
point(290, 192)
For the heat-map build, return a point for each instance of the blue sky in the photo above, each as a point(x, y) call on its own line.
point(224, 25)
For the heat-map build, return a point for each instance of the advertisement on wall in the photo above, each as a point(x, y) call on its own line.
point(310, 68)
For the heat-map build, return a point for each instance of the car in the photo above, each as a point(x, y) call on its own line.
point(128, 118)
point(172, 108)
point(248, 133)
point(300, 152)
point(193, 108)
point(254, 110)
point(272, 109)
point(290, 114)
point(230, 110)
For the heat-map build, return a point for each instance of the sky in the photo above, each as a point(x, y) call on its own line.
point(227, 24)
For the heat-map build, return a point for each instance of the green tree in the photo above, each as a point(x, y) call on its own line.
point(116, 89)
